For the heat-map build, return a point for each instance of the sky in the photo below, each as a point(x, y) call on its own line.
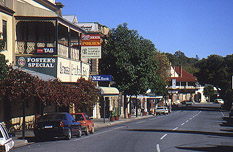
point(195, 27)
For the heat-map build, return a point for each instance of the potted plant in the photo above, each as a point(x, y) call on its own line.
point(112, 117)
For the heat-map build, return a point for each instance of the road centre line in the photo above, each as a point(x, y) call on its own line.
point(163, 136)
point(99, 133)
point(175, 128)
point(182, 124)
point(157, 147)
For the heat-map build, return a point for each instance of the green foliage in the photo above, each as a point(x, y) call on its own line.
point(218, 71)
point(179, 59)
point(129, 58)
point(209, 91)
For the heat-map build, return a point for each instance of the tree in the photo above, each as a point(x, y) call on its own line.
point(129, 58)
point(209, 92)
point(217, 71)
point(18, 87)
point(179, 59)
point(85, 94)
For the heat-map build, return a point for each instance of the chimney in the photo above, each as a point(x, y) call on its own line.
point(180, 71)
point(60, 6)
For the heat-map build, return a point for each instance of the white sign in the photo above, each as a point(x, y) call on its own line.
point(91, 52)
point(173, 83)
point(70, 71)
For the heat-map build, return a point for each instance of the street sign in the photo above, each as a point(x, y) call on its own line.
point(101, 77)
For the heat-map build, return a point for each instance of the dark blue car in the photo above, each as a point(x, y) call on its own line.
point(60, 124)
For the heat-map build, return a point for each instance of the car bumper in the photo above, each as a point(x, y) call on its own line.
point(59, 132)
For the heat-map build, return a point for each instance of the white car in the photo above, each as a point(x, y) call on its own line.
point(220, 101)
point(6, 143)
point(161, 110)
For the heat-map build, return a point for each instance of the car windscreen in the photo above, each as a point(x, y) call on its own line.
point(52, 117)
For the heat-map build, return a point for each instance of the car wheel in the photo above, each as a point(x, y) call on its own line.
point(69, 134)
point(87, 131)
point(92, 130)
point(79, 132)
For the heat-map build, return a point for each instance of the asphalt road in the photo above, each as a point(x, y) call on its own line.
point(198, 128)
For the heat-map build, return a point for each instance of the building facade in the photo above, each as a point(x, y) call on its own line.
point(183, 85)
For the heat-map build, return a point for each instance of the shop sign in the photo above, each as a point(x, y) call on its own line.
point(38, 64)
point(45, 50)
point(101, 78)
point(91, 46)
point(70, 71)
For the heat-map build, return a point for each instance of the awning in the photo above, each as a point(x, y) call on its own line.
point(109, 91)
point(41, 76)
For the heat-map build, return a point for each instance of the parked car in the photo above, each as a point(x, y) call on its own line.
point(161, 110)
point(188, 102)
point(86, 123)
point(176, 103)
point(6, 142)
point(60, 124)
point(220, 101)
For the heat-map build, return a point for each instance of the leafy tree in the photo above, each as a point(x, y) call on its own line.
point(163, 65)
point(129, 58)
point(85, 94)
point(209, 91)
point(179, 59)
point(217, 70)
point(19, 87)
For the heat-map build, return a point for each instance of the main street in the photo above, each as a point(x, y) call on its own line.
point(196, 128)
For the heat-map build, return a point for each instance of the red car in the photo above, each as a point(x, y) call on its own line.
point(87, 124)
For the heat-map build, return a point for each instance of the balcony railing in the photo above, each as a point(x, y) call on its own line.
point(30, 47)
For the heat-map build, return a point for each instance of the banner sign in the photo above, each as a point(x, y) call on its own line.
point(101, 77)
point(39, 64)
point(91, 46)
point(46, 50)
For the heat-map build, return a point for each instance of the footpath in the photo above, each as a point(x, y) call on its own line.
point(98, 123)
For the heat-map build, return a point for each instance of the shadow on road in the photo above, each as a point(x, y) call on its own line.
point(217, 148)
point(223, 134)
point(199, 107)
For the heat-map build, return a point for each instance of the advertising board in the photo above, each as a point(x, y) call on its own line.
point(90, 46)
point(46, 65)
point(70, 71)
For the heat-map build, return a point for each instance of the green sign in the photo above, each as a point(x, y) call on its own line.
point(43, 65)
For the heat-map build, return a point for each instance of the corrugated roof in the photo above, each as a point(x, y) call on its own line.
point(109, 91)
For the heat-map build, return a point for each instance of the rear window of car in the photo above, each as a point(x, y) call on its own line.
point(52, 117)
point(78, 117)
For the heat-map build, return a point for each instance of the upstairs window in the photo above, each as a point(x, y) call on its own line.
point(4, 34)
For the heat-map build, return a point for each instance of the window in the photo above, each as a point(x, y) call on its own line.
point(4, 34)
